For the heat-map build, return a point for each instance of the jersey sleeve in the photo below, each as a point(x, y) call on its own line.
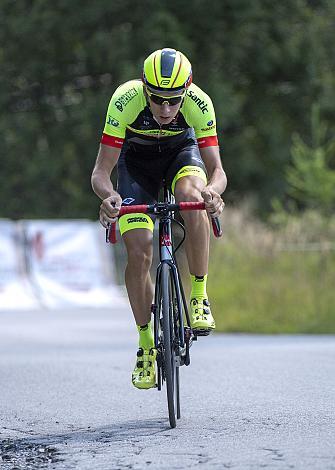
point(120, 113)
point(200, 114)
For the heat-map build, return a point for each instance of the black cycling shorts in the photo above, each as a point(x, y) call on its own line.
point(141, 175)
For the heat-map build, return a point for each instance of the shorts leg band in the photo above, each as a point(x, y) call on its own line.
point(137, 220)
point(189, 170)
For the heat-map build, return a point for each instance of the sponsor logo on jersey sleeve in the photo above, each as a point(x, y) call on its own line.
point(112, 121)
point(208, 128)
point(124, 99)
point(198, 101)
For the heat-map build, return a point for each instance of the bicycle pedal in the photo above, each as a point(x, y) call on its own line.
point(188, 333)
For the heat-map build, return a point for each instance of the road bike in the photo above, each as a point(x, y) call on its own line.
point(172, 327)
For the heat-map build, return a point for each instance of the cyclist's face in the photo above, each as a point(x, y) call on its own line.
point(165, 112)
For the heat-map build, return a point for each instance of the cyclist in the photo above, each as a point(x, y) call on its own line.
point(161, 127)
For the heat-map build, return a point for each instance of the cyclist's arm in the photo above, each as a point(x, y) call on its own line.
point(217, 179)
point(102, 185)
point(198, 111)
point(119, 114)
point(106, 161)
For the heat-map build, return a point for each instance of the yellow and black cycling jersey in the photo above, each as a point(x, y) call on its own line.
point(129, 118)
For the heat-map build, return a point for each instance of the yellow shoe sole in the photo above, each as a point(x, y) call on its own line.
point(143, 385)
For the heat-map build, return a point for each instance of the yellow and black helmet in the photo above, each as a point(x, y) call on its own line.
point(167, 71)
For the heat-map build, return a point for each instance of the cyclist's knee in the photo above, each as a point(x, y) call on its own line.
point(139, 249)
point(189, 189)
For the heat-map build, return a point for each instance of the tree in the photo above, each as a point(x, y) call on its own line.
point(263, 63)
point(311, 176)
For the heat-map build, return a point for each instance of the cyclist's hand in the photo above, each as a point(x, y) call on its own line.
point(109, 209)
point(213, 202)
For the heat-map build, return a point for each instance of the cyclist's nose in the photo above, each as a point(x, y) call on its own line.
point(166, 107)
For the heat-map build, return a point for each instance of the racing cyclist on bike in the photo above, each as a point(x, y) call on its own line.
point(160, 128)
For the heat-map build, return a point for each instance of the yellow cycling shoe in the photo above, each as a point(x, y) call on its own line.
point(201, 315)
point(144, 375)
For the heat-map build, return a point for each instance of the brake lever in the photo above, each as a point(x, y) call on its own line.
point(111, 233)
point(217, 230)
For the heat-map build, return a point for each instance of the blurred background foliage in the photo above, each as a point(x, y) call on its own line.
point(270, 70)
point(268, 66)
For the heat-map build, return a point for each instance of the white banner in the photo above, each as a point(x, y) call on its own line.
point(69, 264)
point(15, 290)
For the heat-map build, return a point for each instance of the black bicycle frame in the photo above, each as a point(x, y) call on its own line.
point(166, 256)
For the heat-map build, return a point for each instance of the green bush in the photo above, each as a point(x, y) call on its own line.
point(311, 176)
point(274, 280)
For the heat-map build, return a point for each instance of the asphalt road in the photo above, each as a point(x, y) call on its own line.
point(248, 402)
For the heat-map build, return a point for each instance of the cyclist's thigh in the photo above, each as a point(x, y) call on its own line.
point(188, 163)
point(132, 193)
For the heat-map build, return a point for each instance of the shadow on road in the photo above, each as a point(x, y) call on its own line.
point(38, 451)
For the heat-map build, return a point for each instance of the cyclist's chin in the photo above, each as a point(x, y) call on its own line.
point(164, 120)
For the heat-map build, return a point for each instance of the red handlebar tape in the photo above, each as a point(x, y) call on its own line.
point(143, 208)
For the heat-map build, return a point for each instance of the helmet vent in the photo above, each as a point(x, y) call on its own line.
point(168, 58)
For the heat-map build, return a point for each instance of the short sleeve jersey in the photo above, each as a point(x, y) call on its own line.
point(129, 118)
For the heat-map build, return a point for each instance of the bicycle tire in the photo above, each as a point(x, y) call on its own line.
point(171, 370)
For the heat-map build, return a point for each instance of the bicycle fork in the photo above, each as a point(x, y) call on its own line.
point(185, 335)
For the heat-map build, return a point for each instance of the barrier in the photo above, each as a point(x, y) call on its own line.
point(60, 263)
point(15, 289)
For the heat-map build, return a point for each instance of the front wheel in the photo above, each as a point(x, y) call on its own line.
point(170, 343)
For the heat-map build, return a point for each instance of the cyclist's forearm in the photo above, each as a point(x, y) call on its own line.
point(218, 180)
point(102, 185)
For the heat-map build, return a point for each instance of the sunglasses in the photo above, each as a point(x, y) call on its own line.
point(162, 99)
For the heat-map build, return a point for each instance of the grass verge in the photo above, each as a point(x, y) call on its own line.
point(278, 280)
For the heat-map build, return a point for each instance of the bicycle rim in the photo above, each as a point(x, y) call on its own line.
point(169, 354)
